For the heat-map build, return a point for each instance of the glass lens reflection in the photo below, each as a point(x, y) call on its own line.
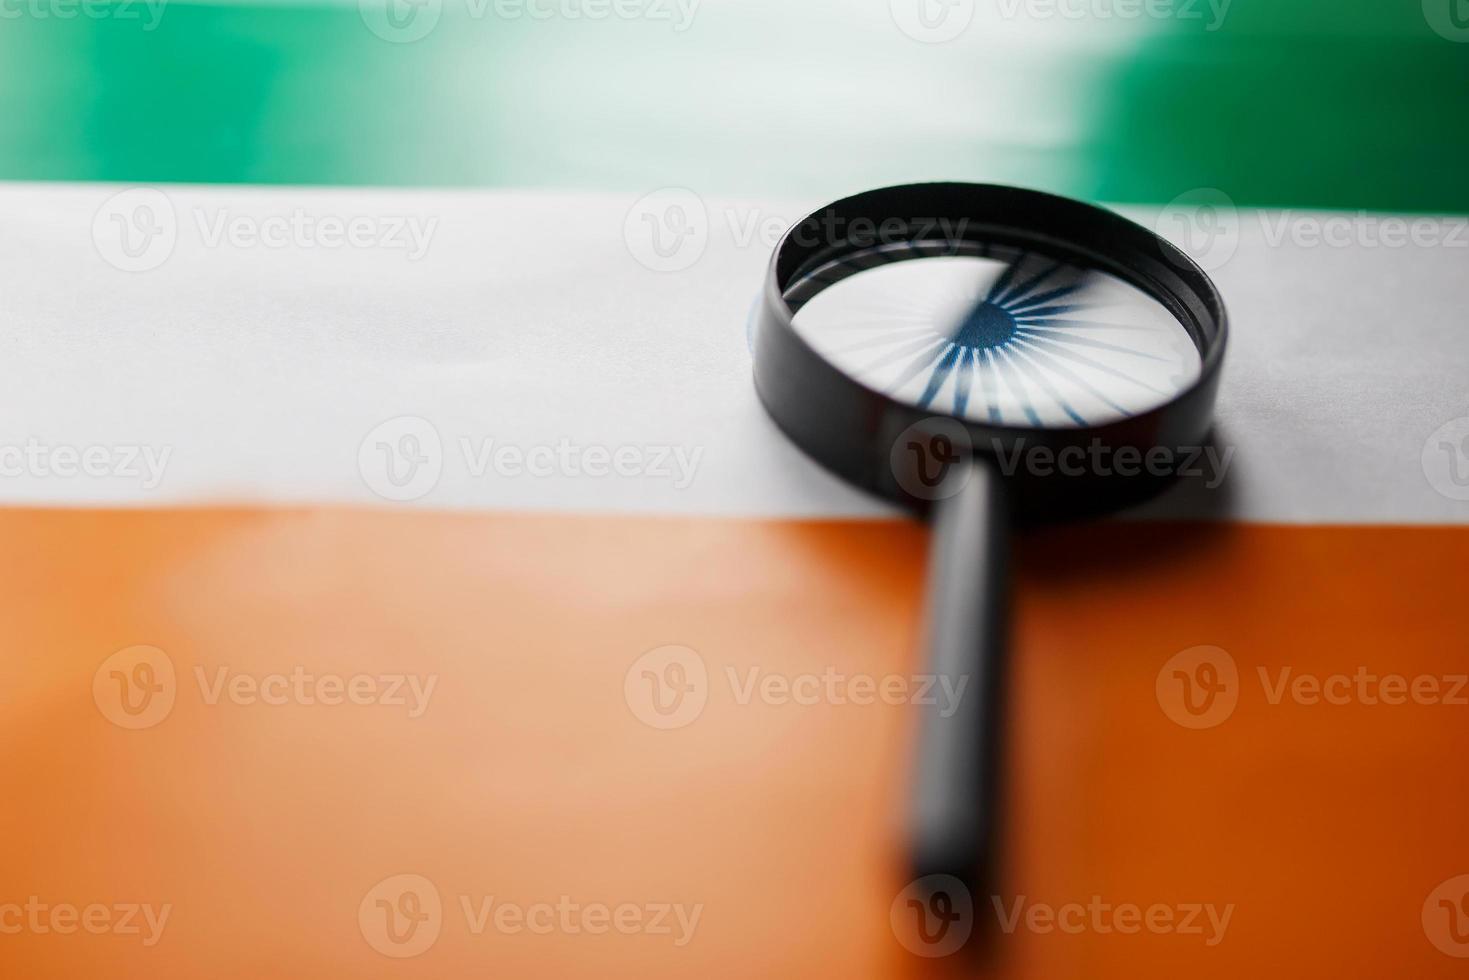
point(1012, 338)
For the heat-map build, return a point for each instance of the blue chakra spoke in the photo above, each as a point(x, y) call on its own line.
point(868, 329)
point(1052, 323)
point(885, 321)
point(846, 267)
point(1037, 371)
point(1054, 364)
point(929, 341)
point(1021, 307)
point(1003, 283)
point(1019, 389)
point(924, 311)
point(1051, 347)
point(894, 336)
point(1088, 342)
point(992, 389)
point(919, 364)
point(1020, 289)
point(940, 374)
point(964, 379)
point(1049, 311)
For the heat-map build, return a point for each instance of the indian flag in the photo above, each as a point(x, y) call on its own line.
point(403, 579)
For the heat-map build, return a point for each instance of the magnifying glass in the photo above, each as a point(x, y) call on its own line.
point(984, 355)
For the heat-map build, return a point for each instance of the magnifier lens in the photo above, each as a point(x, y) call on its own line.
point(1032, 325)
point(1008, 337)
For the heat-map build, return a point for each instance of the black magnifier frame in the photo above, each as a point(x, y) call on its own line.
point(852, 430)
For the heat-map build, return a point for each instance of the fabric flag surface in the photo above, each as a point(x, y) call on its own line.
point(405, 581)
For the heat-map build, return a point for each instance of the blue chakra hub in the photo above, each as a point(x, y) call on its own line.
point(987, 325)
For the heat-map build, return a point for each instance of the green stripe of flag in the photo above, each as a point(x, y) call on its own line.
point(1285, 103)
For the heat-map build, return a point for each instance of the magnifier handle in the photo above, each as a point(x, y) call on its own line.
point(954, 806)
